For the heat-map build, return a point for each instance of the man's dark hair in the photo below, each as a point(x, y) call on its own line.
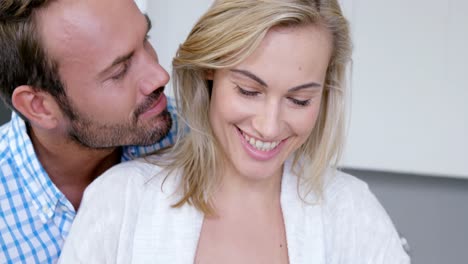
point(23, 59)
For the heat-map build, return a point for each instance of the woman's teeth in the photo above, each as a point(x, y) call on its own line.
point(260, 145)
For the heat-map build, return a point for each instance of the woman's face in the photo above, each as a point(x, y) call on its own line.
point(264, 109)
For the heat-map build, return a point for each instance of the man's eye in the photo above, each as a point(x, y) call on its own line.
point(122, 72)
point(246, 92)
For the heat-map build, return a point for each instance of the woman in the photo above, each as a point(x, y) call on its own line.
point(260, 83)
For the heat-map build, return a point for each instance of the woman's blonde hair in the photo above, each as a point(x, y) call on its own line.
point(223, 37)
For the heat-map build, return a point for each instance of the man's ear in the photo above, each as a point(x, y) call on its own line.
point(209, 74)
point(40, 108)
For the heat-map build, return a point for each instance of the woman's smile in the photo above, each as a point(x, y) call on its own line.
point(258, 149)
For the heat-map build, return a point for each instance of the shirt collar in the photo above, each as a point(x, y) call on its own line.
point(36, 182)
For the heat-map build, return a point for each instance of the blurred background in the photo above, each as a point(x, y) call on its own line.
point(408, 121)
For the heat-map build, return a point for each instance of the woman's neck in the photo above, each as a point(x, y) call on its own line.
point(237, 189)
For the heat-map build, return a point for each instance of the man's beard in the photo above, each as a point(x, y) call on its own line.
point(97, 136)
point(92, 134)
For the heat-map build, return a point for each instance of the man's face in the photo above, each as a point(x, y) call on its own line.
point(110, 71)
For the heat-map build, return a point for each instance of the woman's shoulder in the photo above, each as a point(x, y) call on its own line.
point(109, 212)
point(338, 185)
point(356, 223)
point(134, 173)
point(345, 194)
point(127, 183)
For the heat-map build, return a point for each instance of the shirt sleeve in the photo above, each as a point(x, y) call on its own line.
point(358, 229)
point(132, 152)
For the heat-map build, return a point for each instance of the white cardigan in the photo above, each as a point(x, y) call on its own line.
point(126, 217)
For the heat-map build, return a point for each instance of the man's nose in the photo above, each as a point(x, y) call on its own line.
point(155, 76)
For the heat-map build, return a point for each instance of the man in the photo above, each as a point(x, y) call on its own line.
point(82, 80)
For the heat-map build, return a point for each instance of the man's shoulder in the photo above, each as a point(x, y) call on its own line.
point(4, 126)
point(14, 125)
point(4, 131)
point(13, 137)
point(5, 151)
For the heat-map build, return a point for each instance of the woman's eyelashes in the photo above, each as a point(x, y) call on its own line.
point(300, 102)
point(250, 93)
point(246, 92)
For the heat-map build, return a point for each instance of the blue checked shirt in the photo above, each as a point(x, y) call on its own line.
point(35, 216)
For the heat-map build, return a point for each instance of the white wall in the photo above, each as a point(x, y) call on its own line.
point(408, 92)
point(172, 21)
point(142, 5)
point(409, 110)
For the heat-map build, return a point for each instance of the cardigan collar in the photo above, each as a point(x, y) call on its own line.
point(170, 235)
point(303, 222)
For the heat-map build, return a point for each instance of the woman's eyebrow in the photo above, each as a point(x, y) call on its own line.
point(251, 76)
point(305, 86)
point(262, 82)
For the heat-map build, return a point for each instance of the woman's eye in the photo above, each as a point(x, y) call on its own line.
point(300, 102)
point(246, 92)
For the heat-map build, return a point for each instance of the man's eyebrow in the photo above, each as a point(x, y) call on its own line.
point(262, 82)
point(127, 56)
point(117, 61)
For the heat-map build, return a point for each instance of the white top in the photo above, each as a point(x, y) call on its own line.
point(126, 217)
